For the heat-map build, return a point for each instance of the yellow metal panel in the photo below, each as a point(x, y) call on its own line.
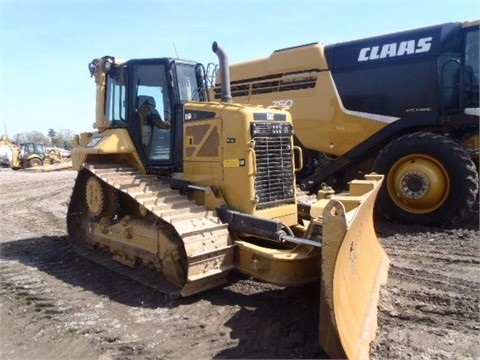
point(320, 120)
point(114, 142)
point(281, 62)
point(287, 214)
point(233, 170)
point(288, 267)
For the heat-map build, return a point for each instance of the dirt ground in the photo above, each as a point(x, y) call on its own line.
point(54, 304)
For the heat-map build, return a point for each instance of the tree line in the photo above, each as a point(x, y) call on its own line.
point(62, 138)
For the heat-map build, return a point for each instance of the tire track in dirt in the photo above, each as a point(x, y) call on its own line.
point(50, 285)
point(30, 304)
point(57, 305)
point(429, 308)
point(124, 319)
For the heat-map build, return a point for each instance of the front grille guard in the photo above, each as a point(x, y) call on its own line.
point(274, 181)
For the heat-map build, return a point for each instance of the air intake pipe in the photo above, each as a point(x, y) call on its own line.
point(223, 62)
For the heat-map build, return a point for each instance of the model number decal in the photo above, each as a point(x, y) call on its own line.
point(94, 142)
point(395, 49)
point(283, 102)
point(233, 163)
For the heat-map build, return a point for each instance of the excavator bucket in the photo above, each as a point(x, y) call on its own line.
point(354, 265)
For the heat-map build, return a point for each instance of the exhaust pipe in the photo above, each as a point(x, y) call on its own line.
point(225, 73)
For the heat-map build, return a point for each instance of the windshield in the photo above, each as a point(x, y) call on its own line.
point(188, 87)
point(39, 149)
point(32, 148)
point(151, 82)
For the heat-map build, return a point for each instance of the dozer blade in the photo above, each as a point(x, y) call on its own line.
point(354, 265)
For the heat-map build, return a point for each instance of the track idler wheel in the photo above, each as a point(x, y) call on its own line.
point(101, 199)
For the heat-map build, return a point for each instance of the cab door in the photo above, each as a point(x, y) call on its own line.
point(471, 59)
point(460, 74)
point(151, 113)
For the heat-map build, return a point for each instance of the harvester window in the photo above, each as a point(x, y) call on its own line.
point(472, 55)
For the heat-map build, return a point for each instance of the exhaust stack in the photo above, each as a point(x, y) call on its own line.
point(225, 73)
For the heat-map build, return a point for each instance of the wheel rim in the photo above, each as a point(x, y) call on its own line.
point(35, 162)
point(418, 184)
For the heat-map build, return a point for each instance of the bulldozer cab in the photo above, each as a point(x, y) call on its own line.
point(146, 96)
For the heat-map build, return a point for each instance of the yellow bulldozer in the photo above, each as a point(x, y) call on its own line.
point(177, 191)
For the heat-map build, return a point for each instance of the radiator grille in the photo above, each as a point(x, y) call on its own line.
point(274, 182)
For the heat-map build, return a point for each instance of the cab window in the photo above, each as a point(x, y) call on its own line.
point(153, 111)
point(115, 104)
point(187, 83)
point(471, 62)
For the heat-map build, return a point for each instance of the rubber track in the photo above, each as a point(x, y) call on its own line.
point(207, 242)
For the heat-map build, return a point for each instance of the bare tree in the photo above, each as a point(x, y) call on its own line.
point(31, 136)
point(65, 138)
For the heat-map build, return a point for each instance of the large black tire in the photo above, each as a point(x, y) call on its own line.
point(429, 180)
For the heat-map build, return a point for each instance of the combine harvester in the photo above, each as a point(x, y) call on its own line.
point(405, 105)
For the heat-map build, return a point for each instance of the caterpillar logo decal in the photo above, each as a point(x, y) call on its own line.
point(395, 49)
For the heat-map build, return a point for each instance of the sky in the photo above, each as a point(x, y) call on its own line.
point(45, 46)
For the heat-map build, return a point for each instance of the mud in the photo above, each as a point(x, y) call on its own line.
point(55, 304)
